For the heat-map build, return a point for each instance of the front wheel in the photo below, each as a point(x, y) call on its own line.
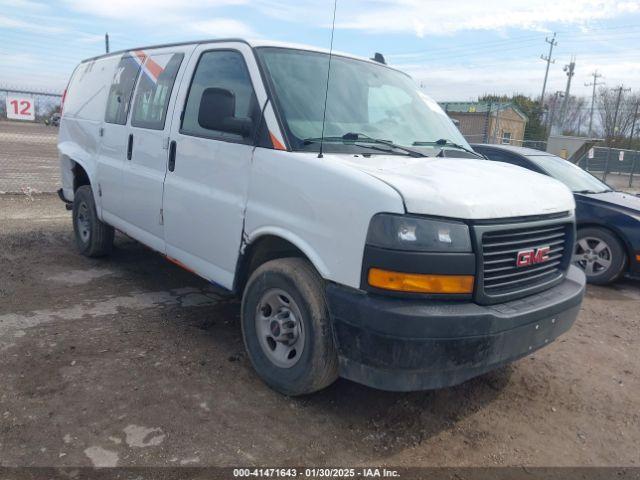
point(93, 237)
point(286, 327)
point(600, 254)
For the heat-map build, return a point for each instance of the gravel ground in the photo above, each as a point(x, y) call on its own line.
point(28, 157)
point(130, 361)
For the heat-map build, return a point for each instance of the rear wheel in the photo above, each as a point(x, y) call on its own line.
point(286, 327)
point(93, 237)
point(600, 254)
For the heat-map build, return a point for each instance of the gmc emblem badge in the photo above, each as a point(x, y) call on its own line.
point(532, 256)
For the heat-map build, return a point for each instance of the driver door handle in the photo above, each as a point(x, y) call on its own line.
point(130, 147)
point(172, 156)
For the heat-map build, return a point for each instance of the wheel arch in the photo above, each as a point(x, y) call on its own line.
point(75, 173)
point(80, 175)
point(270, 244)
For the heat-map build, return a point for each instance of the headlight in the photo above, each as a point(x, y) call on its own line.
point(406, 232)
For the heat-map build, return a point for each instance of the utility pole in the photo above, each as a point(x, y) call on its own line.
point(552, 43)
point(633, 125)
point(570, 70)
point(106, 42)
point(615, 115)
point(496, 126)
point(554, 107)
point(486, 135)
point(593, 84)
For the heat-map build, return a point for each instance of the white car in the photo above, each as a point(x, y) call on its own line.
point(369, 242)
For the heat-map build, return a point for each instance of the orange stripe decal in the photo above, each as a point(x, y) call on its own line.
point(179, 263)
point(141, 55)
point(154, 68)
point(276, 143)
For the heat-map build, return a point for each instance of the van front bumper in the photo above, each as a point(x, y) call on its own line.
point(408, 344)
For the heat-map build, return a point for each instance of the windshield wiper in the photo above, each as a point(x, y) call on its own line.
point(308, 141)
point(354, 137)
point(591, 191)
point(443, 142)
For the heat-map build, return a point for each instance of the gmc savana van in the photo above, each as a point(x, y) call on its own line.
point(367, 241)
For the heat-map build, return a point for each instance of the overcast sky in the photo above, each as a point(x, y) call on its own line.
point(457, 49)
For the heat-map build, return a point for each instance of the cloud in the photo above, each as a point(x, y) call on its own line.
point(444, 18)
point(146, 10)
point(222, 27)
point(11, 59)
point(199, 17)
point(24, 6)
point(17, 24)
point(26, 71)
point(89, 38)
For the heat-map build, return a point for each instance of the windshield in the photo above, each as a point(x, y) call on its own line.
point(370, 99)
point(571, 175)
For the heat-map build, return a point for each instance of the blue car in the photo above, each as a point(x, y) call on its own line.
point(608, 240)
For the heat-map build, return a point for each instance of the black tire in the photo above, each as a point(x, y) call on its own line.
point(317, 365)
point(93, 237)
point(614, 254)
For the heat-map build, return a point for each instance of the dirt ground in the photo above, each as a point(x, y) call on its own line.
point(131, 361)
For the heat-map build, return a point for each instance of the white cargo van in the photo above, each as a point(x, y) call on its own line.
point(381, 249)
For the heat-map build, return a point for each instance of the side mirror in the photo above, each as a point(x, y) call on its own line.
point(217, 112)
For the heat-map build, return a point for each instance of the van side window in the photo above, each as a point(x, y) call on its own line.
point(222, 73)
point(124, 79)
point(154, 90)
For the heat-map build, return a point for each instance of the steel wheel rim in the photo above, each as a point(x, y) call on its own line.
point(83, 222)
point(593, 255)
point(279, 327)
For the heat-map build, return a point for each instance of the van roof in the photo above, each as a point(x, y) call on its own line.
point(252, 43)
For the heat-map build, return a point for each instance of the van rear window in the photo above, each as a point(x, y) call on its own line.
point(122, 85)
point(88, 89)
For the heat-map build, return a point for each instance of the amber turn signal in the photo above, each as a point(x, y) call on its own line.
point(420, 283)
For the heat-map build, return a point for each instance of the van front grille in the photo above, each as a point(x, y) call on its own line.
point(541, 251)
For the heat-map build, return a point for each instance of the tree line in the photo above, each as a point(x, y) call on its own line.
point(616, 117)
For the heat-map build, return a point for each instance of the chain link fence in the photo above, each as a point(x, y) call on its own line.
point(28, 137)
point(29, 158)
point(616, 166)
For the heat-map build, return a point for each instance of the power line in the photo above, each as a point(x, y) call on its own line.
point(499, 46)
point(474, 46)
point(516, 43)
point(466, 52)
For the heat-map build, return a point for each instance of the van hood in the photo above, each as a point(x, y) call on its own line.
point(467, 188)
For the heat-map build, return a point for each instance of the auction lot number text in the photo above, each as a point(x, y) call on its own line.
point(20, 107)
